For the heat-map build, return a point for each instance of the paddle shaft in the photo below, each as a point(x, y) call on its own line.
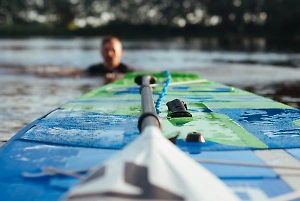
point(149, 116)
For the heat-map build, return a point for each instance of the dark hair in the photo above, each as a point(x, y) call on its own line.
point(108, 39)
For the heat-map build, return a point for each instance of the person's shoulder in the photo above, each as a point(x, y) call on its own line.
point(123, 68)
point(95, 69)
point(96, 66)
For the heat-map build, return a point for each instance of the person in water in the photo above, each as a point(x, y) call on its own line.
point(111, 52)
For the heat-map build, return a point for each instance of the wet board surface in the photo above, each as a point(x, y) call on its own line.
point(238, 126)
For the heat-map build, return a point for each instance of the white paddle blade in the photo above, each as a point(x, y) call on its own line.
point(151, 168)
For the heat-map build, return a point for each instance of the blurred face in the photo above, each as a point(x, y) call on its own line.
point(112, 53)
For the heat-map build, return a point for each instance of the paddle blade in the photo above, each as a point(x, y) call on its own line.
point(151, 168)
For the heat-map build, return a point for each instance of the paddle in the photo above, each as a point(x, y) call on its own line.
point(148, 116)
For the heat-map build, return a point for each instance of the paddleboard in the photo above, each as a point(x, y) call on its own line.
point(245, 146)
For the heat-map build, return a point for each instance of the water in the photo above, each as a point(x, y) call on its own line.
point(39, 74)
point(144, 55)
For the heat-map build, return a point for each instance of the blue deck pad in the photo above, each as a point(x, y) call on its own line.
point(202, 89)
point(258, 189)
point(26, 156)
point(88, 129)
point(197, 147)
point(294, 152)
point(274, 127)
point(246, 182)
point(30, 155)
point(199, 88)
point(235, 171)
point(213, 98)
point(21, 190)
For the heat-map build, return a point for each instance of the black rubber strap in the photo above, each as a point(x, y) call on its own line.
point(178, 108)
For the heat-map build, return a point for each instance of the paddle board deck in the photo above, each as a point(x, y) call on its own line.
point(238, 126)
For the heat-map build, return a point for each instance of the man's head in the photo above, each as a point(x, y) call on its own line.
point(111, 51)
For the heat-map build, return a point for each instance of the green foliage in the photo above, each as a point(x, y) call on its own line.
point(164, 17)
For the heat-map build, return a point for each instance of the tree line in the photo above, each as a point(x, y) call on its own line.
point(156, 17)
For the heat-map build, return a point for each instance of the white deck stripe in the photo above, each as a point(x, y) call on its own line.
point(288, 196)
point(281, 157)
point(254, 194)
point(221, 162)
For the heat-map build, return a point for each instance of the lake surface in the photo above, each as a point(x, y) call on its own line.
point(171, 54)
point(36, 74)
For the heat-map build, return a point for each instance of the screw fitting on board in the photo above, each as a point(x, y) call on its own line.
point(195, 137)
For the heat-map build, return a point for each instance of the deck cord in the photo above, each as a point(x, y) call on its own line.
point(163, 93)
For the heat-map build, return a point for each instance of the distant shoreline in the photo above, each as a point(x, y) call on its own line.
point(227, 42)
point(125, 30)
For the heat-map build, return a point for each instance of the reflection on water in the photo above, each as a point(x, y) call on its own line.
point(26, 98)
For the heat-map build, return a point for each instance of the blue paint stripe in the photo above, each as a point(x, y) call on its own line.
point(88, 129)
point(274, 127)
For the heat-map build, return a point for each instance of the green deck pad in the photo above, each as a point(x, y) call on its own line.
point(101, 95)
point(202, 96)
point(200, 92)
point(132, 106)
point(200, 86)
point(297, 122)
point(160, 76)
point(128, 82)
point(215, 127)
point(106, 107)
